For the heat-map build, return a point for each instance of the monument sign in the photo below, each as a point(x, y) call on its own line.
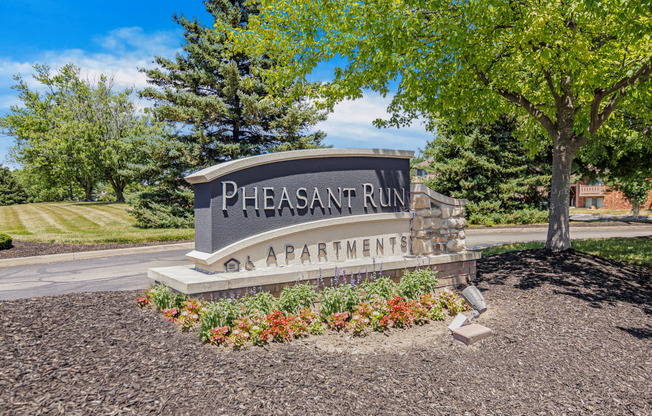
point(272, 219)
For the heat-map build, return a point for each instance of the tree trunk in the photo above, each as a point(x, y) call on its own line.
point(70, 192)
point(635, 208)
point(88, 190)
point(559, 221)
point(119, 195)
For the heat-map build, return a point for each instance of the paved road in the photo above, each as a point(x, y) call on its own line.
point(130, 271)
point(109, 273)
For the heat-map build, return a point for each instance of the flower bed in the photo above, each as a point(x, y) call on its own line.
point(260, 318)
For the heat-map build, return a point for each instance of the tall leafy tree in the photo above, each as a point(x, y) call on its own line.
point(75, 131)
point(10, 190)
point(220, 107)
point(566, 66)
point(624, 159)
point(50, 128)
point(489, 167)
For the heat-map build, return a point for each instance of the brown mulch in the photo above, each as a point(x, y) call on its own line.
point(573, 335)
point(29, 248)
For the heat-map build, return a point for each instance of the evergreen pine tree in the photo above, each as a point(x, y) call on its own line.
point(218, 106)
point(218, 110)
point(10, 191)
point(488, 166)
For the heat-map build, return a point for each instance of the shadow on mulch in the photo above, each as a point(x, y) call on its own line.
point(590, 278)
point(552, 353)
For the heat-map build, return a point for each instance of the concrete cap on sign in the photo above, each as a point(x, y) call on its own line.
point(214, 172)
point(419, 188)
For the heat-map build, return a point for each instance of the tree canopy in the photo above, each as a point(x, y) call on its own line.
point(563, 67)
point(76, 131)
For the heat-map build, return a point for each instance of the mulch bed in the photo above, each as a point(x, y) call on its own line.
point(573, 336)
point(28, 248)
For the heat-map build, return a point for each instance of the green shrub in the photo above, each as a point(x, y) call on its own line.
point(162, 297)
point(262, 302)
point(383, 287)
point(218, 314)
point(437, 313)
point(339, 299)
point(5, 242)
point(297, 297)
point(522, 216)
point(418, 282)
point(11, 192)
point(163, 208)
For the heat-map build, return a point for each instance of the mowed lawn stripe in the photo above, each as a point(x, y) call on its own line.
point(10, 220)
point(74, 222)
point(71, 221)
point(105, 214)
point(37, 221)
point(93, 217)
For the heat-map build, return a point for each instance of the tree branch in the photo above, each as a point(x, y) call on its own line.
point(551, 85)
point(620, 89)
point(521, 101)
point(643, 72)
point(600, 41)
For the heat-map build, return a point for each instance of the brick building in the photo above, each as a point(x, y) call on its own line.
point(588, 195)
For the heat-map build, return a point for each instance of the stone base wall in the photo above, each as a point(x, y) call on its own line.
point(449, 275)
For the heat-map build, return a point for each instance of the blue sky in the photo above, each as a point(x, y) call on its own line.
point(118, 37)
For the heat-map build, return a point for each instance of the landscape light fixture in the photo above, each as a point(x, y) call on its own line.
point(473, 297)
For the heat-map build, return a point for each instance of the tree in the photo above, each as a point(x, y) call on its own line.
point(563, 66)
point(75, 131)
point(489, 167)
point(10, 191)
point(40, 189)
point(220, 108)
point(51, 135)
point(624, 159)
point(636, 189)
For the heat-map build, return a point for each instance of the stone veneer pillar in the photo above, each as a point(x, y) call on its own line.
point(438, 223)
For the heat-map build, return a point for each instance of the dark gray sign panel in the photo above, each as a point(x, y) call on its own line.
point(247, 197)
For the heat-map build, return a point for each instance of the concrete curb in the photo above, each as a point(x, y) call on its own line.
point(85, 255)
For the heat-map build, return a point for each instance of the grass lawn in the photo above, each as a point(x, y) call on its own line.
point(630, 250)
point(603, 211)
point(80, 222)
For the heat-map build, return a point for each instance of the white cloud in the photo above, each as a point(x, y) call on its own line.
point(350, 125)
point(122, 52)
